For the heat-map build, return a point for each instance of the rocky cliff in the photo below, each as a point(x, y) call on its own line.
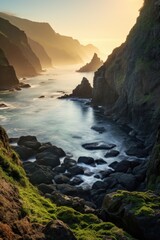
point(45, 60)
point(61, 49)
point(93, 65)
point(17, 50)
point(128, 84)
point(8, 77)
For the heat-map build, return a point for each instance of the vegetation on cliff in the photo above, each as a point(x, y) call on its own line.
point(128, 82)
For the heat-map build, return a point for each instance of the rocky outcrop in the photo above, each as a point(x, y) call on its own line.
point(128, 83)
point(15, 45)
point(93, 66)
point(8, 79)
point(83, 90)
point(61, 49)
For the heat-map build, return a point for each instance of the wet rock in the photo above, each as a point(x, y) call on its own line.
point(56, 229)
point(24, 85)
point(42, 96)
point(24, 153)
point(49, 160)
point(106, 173)
point(100, 161)
point(68, 162)
point(125, 165)
point(98, 146)
point(86, 160)
point(98, 129)
point(112, 153)
point(61, 178)
point(137, 151)
point(29, 142)
point(67, 189)
point(48, 148)
point(99, 185)
point(59, 169)
point(76, 181)
point(75, 170)
point(128, 181)
point(3, 105)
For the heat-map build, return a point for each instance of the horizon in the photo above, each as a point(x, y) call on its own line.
point(74, 18)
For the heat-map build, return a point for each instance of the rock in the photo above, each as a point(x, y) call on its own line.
point(86, 160)
point(42, 96)
point(99, 185)
point(46, 188)
point(128, 181)
point(100, 161)
point(24, 85)
point(59, 169)
point(98, 146)
point(134, 211)
point(76, 181)
point(24, 153)
point(68, 162)
point(125, 165)
point(38, 174)
point(106, 173)
point(98, 129)
point(83, 90)
point(94, 64)
point(111, 153)
point(60, 179)
point(3, 105)
point(48, 148)
point(113, 164)
point(56, 229)
point(67, 189)
point(29, 141)
point(48, 160)
point(138, 152)
point(75, 170)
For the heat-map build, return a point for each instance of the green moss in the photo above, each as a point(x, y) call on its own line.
point(146, 203)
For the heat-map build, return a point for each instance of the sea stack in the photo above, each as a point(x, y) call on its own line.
point(93, 66)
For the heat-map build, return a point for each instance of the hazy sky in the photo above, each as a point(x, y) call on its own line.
point(104, 23)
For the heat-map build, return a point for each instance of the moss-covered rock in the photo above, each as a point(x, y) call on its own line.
point(138, 212)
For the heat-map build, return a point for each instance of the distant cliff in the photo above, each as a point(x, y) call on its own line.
point(8, 77)
point(93, 65)
point(128, 84)
point(17, 50)
point(40, 52)
point(61, 49)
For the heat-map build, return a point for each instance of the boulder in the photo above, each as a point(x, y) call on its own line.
point(111, 153)
point(134, 211)
point(46, 188)
point(24, 153)
point(58, 230)
point(61, 178)
point(68, 162)
point(49, 160)
point(98, 129)
point(75, 170)
point(76, 181)
point(137, 151)
point(98, 146)
point(100, 161)
point(48, 148)
point(38, 174)
point(86, 160)
point(67, 189)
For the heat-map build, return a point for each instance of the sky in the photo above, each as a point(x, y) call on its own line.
point(104, 23)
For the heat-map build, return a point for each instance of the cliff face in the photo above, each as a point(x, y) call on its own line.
point(17, 50)
point(40, 53)
point(61, 49)
point(128, 83)
point(8, 77)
